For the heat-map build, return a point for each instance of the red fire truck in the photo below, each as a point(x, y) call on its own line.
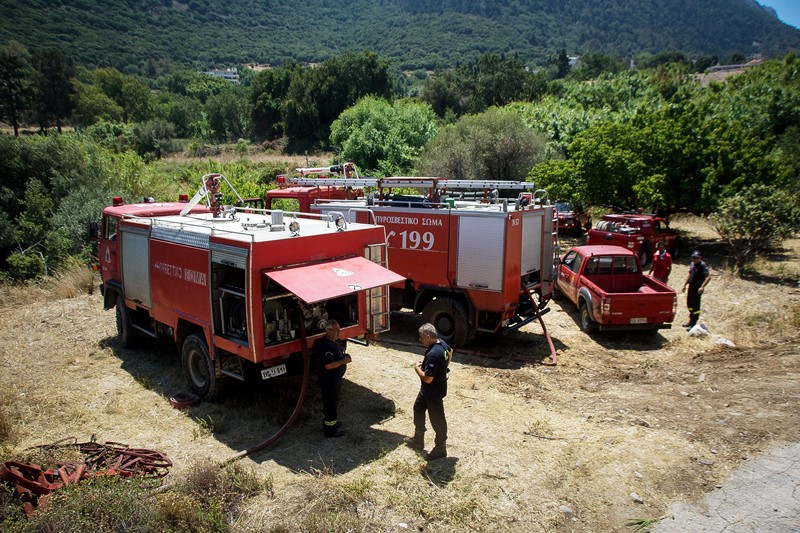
point(239, 289)
point(471, 260)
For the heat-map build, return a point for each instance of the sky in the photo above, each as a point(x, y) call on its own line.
point(788, 10)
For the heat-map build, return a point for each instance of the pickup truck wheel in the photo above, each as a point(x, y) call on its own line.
point(586, 323)
point(198, 367)
point(644, 255)
point(125, 332)
point(449, 317)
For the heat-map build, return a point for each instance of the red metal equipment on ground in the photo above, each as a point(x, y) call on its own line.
point(239, 289)
point(470, 260)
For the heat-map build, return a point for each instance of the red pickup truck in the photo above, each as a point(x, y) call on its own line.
point(611, 292)
point(636, 232)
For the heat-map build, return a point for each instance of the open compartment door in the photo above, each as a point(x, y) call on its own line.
point(323, 281)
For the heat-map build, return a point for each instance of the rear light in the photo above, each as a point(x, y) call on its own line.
point(674, 305)
point(605, 306)
point(117, 200)
point(183, 198)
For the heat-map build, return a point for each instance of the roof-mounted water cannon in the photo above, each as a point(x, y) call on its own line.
point(210, 189)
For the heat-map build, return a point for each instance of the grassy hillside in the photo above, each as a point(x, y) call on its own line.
point(147, 35)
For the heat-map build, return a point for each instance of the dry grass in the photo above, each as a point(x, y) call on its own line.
point(532, 448)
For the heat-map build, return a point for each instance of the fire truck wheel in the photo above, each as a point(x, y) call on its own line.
point(644, 255)
point(449, 317)
point(198, 367)
point(125, 331)
point(586, 323)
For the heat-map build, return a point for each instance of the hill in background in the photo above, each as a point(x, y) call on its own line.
point(150, 35)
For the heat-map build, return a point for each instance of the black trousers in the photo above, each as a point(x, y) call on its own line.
point(693, 304)
point(435, 410)
point(330, 404)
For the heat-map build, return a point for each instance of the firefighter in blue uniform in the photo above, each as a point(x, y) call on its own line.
point(332, 366)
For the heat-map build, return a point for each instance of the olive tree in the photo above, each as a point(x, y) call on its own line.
point(495, 144)
point(755, 220)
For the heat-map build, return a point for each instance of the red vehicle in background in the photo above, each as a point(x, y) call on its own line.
point(571, 219)
point(637, 232)
point(300, 199)
point(607, 285)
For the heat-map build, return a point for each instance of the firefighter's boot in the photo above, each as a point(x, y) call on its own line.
point(439, 451)
point(417, 442)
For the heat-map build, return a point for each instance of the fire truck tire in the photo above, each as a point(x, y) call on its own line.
point(125, 331)
point(644, 255)
point(586, 323)
point(449, 317)
point(198, 367)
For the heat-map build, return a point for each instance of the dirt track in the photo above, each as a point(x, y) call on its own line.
point(532, 447)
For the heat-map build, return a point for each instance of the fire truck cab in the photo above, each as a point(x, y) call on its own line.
point(239, 289)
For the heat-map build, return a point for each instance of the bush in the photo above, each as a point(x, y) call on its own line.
point(26, 266)
point(98, 504)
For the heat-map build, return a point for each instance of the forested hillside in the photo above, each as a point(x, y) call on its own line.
point(153, 36)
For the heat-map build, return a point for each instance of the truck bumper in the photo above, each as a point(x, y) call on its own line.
point(632, 327)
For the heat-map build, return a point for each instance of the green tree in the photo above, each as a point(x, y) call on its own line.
point(130, 94)
point(754, 220)
point(53, 86)
point(495, 144)
point(154, 138)
point(443, 93)
point(229, 113)
point(381, 137)
point(91, 105)
point(593, 64)
point(269, 90)
point(493, 80)
point(16, 83)
point(316, 96)
point(186, 114)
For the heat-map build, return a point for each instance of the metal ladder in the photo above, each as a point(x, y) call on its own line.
point(378, 298)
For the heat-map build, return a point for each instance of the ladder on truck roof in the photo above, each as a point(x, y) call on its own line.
point(416, 183)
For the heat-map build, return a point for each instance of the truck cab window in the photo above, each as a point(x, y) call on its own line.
point(110, 228)
point(573, 261)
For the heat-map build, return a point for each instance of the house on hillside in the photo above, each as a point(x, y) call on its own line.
point(229, 74)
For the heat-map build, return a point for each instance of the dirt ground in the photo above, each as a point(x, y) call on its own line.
point(623, 426)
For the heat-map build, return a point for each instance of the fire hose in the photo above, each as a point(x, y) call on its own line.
point(295, 413)
point(32, 482)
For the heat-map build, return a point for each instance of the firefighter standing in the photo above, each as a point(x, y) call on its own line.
point(332, 366)
point(432, 372)
point(696, 281)
point(661, 265)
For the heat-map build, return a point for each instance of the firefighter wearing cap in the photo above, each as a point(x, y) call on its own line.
point(696, 281)
point(332, 366)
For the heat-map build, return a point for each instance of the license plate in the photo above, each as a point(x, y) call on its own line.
point(273, 371)
point(639, 320)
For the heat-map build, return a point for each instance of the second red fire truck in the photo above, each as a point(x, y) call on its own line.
point(471, 261)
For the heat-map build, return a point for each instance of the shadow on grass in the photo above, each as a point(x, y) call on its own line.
point(513, 350)
point(245, 414)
